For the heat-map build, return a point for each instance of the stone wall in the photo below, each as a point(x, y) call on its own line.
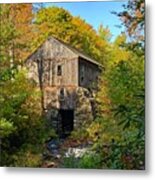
point(79, 99)
point(83, 111)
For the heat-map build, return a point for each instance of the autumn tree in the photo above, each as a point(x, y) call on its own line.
point(21, 123)
point(58, 22)
point(22, 17)
point(133, 17)
point(104, 33)
point(121, 97)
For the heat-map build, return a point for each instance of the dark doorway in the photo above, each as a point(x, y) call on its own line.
point(67, 117)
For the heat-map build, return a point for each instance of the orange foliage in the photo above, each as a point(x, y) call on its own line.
point(21, 15)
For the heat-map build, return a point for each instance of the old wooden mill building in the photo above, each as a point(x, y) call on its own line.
point(67, 79)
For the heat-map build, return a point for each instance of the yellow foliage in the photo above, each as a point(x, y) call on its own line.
point(94, 131)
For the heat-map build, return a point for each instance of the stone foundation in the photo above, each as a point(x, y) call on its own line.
point(78, 99)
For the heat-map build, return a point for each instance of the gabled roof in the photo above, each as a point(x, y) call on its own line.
point(77, 52)
point(74, 50)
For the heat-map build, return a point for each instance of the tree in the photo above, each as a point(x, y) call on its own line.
point(21, 122)
point(133, 17)
point(104, 33)
point(61, 24)
point(21, 16)
point(121, 97)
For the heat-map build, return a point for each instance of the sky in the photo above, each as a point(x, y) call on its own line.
point(96, 13)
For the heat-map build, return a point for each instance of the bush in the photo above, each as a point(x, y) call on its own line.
point(22, 123)
point(27, 158)
point(89, 160)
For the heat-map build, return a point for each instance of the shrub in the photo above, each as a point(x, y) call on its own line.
point(89, 160)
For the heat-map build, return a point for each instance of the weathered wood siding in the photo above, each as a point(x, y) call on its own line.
point(88, 74)
point(45, 61)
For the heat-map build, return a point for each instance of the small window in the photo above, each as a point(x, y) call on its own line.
point(82, 78)
point(62, 94)
point(82, 73)
point(59, 70)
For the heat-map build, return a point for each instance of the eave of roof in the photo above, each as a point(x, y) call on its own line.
point(74, 50)
point(80, 54)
